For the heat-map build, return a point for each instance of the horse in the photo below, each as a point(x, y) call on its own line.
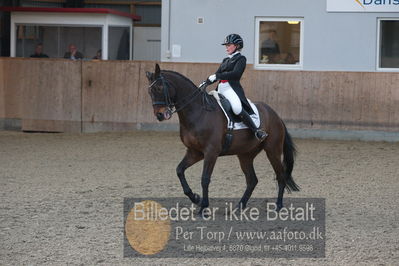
point(203, 132)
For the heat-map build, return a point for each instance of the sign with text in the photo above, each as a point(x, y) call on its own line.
point(362, 5)
point(172, 228)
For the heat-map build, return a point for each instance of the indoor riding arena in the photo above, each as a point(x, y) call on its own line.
point(72, 151)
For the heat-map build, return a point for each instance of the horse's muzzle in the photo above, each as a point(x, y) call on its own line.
point(165, 115)
point(160, 116)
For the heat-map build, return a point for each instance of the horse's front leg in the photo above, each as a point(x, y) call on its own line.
point(189, 159)
point(209, 164)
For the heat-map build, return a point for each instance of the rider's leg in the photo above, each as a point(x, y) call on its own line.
point(229, 93)
point(246, 118)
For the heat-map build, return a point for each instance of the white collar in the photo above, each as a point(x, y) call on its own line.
point(231, 55)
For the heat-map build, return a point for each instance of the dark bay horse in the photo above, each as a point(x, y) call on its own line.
point(202, 130)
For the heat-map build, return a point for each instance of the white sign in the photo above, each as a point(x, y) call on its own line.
point(176, 50)
point(362, 5)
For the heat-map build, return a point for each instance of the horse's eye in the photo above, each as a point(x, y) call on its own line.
point(158, 89)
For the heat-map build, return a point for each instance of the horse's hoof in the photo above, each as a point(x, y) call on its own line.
point(202, 214)
point(240, 207)
point(197, 199)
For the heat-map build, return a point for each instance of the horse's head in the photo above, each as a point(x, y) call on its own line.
point(161, 94)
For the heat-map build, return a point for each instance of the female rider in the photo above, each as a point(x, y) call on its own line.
point(229, 74)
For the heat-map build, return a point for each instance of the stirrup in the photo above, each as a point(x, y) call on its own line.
point(260, 134)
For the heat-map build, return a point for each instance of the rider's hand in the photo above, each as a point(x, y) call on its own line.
point(212, 78)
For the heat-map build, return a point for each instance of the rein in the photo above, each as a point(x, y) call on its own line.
point(168, 101)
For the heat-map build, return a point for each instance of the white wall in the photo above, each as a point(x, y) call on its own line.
point(332, 41)
point(147, 43)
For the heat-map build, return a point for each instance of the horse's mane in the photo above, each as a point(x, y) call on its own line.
point(208, 101)
point(180, 75)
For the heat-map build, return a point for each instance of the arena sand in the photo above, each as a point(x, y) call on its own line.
point(61, 196)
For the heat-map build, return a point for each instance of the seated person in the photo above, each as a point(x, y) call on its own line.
point(73, 53)
point(39, 52)
point(98, 55)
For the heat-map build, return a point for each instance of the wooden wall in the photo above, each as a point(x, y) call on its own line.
point(87, 96)
point(44, 93)
point(330, 100)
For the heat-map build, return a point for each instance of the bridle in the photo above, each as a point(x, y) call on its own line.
point(173, 107)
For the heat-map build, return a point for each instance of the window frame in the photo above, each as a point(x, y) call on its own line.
point(60, 52)
point(260, 66)
point(378, 53)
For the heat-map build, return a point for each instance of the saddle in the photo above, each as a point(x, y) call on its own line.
point(234, 122)
point(228, 110)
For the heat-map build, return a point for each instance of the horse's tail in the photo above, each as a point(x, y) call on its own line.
point(289, 152)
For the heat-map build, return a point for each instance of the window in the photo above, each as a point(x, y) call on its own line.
point(119, 43)
point(55, 40)
point(278, 43)
point(388, 46)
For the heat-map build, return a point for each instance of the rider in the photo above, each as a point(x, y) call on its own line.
point(229, 74)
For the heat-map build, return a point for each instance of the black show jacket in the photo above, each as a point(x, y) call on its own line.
point(231, 70)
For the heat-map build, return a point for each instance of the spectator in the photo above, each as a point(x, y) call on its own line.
point(98, 55)
point(270, 47)
point(73, 53)
point(39, 52)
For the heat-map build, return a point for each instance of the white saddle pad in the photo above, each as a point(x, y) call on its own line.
point(240, 125)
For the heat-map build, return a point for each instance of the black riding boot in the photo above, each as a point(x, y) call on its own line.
point(246, 118)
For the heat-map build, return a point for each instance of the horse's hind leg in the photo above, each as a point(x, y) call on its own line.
point(247, 166)
point(275, 156)
point(189, 159)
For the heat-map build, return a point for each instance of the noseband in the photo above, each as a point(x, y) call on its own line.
point(168, 102)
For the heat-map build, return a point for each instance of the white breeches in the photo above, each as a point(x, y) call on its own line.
point(227, 91)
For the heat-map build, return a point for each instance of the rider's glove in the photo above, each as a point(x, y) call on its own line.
point(212, 78)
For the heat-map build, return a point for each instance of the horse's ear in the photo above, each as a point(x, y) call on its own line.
point(157, 71)
point(150, 76)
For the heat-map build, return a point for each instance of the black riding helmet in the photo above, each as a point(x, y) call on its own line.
point(234, 39)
